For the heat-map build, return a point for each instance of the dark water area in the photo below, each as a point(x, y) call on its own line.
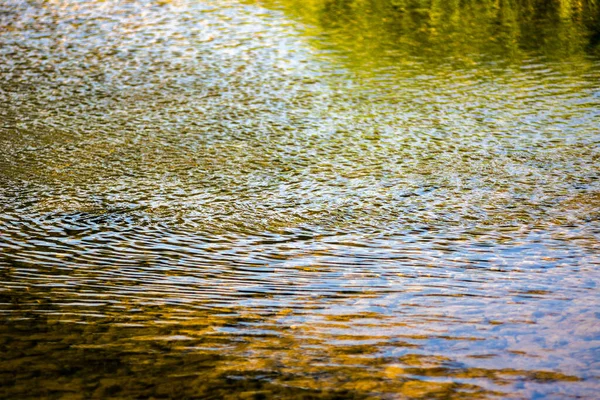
point(299, 199)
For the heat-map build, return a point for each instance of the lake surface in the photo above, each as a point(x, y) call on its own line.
point(299, 199)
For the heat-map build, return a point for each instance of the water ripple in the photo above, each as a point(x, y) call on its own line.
point(243, 202)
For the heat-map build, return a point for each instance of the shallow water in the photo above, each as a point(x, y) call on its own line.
point(295, 199)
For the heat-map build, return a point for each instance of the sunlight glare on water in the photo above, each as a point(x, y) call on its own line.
point(286, 199)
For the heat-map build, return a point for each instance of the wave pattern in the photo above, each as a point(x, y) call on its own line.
point(200, 201)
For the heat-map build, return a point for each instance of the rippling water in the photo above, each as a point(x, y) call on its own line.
point(254, 200)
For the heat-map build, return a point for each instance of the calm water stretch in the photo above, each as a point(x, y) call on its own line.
point(383, 199)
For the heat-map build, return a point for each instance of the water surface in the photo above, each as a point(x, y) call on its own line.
point(290, 199)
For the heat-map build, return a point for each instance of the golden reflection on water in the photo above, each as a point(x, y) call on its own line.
point(232, 353)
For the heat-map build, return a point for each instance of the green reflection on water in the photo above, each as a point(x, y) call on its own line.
point(371, 31)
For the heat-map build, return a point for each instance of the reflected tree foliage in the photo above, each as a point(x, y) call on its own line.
point(459, 29)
